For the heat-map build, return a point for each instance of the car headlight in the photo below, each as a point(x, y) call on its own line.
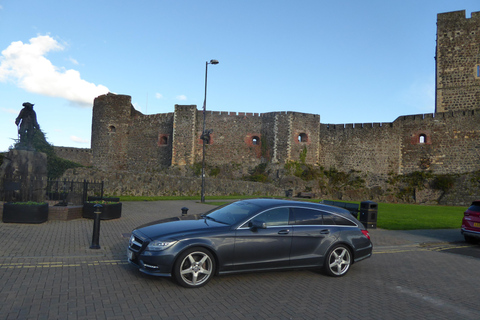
point(159, 245)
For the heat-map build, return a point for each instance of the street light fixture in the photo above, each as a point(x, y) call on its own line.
point(205, 134)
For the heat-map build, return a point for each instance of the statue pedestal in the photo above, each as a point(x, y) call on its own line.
point(23, 176)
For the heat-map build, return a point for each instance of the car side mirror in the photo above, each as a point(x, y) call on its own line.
point(257, 224)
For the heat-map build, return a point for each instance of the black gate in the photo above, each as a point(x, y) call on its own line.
point(73, 192)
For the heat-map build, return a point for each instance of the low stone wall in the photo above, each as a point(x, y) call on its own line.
point(376, 187)
point(160, 184)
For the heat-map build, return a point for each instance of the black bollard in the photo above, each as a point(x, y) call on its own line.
point(96, 227)
point(184, 211)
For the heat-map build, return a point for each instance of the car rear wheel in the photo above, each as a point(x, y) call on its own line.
point(194, 268)
point(338, 261)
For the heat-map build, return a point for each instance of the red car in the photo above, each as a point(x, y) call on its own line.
point(471, 222)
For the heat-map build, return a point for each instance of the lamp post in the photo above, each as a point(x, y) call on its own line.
point(205, 134)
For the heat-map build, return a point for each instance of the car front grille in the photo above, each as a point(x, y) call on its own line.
point(135, 243)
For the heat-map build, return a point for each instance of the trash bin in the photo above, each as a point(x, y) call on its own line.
point(368, 214)
point(289, 193)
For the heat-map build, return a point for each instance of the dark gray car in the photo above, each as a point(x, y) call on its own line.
point(250, 235)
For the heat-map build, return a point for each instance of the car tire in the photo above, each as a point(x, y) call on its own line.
point(194, 268)
point(470, 239)
point(338, 261)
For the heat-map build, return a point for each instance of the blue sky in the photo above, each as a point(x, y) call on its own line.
point(349, 61)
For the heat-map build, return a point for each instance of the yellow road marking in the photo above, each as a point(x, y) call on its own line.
point(60, 264)
point(438, 247)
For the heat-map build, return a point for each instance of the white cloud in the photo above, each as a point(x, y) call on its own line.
point(182, 97)
point(27, 66)
point(12, 111)
point(158, 95)
point(73, 61)
point(78, 140)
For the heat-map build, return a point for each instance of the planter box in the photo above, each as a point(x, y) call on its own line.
point(24, 213)
point(109, 211)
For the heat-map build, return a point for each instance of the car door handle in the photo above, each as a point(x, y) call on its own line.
point(286, 231)
point(325, 231)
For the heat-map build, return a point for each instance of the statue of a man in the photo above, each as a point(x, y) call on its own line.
point(27, 118)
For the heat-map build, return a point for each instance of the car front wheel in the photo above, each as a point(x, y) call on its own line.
point(338, 261)
point(194, 268)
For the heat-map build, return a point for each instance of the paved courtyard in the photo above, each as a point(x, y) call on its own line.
point(48, 271)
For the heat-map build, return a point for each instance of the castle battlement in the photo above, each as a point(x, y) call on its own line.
point(356, 126)
point(72, 149)
point(458, 16)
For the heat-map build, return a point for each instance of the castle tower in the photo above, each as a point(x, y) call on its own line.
point(110, 122)
point(457, 62)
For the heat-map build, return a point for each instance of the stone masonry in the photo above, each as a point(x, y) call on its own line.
point(458, 61)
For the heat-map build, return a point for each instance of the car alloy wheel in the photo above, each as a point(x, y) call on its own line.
point(338, 261)
point(194, 268)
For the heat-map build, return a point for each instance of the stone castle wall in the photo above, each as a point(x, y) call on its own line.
point(82, 156)
point(366, 147)
point(125, 139)
point(452, 142)
point(458, 61)
point(446, 142)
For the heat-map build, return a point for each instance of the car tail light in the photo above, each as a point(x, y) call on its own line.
point(366, 234)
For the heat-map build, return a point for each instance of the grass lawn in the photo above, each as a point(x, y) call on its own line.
point(410, 216)
point(390, 216)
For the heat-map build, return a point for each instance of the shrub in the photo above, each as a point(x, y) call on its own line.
point(443, 182)
point(258, 174)
point(56, 166)
point(214, 172)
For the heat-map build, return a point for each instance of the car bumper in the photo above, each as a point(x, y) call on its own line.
point(471, 233)
point(364, 253)
point(154, 264)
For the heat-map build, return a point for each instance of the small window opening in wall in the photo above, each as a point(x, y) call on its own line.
point(112, 129)
point(422, 138)
point(302, 137)
point(164, 140)
point(255, 140)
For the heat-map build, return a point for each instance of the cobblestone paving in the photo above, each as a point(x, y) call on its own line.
point(48, 271)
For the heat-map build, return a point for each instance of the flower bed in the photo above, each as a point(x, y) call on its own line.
point(25, 212)
point(110, 210)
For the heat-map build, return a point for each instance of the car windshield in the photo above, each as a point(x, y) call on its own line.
point(233, 213)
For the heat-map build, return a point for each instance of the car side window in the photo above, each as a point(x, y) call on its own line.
point(340, 221)
point(305, 216)
point(274, 217)
point(328, 219)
